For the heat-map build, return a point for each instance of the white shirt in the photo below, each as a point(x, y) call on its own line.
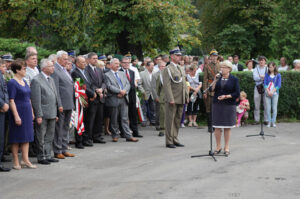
point(30, 74)
point(283, 68)
point(235, 67)
point(137, 76)
point(46, 76)
point(246, 69)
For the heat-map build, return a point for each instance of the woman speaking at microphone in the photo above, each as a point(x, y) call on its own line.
point(227, 90)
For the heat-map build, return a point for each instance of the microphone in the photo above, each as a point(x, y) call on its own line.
point(219, 75)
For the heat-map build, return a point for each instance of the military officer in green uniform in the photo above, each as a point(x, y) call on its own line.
point(210, 71)
point(161, 97)
point(176, 96)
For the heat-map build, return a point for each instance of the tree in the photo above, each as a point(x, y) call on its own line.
point(285, 30)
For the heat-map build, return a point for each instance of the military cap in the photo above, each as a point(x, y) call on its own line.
point(175, 51)
point(7, 57)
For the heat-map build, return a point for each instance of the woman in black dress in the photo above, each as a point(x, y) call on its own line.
point(227, 90)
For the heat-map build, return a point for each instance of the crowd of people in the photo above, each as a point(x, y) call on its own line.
point(66, 98)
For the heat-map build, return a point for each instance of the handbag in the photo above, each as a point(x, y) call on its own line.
point(260, 88)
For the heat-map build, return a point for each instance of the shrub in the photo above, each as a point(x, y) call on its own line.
point(18, 48)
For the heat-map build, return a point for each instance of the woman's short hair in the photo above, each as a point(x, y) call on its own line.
point(193, 67)
point(243, 94)
point(227, 63)
point(247, 62)
point(17, 65)
point(275, 68)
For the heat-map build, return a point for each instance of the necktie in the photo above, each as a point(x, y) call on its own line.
point(48, 79)
point(119, 80)
point(96, 73)
point(67, 73)
point(128, 77)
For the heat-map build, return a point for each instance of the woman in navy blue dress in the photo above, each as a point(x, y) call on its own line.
point(20, 115)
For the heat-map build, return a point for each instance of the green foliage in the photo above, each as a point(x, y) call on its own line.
point(288, 103)
point(286, 30)
point(237, 27)
point(107, 26)
point(18, 48)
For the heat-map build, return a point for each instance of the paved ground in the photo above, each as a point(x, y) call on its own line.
point(256, 168)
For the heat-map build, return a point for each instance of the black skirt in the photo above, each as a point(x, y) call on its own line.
point(223, 116)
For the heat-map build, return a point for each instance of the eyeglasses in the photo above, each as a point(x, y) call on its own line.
point(126, 62)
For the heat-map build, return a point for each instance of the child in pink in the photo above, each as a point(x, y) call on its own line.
point(242, 107)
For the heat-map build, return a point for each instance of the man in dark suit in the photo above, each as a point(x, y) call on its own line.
point(236, 65)
point(117, 99)
point(132, 112)
point(65, 90)
point(45, 103)
point(80, 72)
point(95, 109)
point(3, 108)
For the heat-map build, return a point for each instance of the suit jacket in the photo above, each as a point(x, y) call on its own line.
point(96, 82)
point(76, 73)
point(146, 86)
point(3, 92)
point(231, 87)
point(132, 91)
point(113, 88)
point(64, 87)
point(175, 91)
point(44, 98)
point(159, 88)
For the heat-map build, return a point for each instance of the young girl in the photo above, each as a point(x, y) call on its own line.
point(242, 107)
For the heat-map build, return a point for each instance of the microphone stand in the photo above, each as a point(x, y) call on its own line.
point(262, 134)
point(210, 152)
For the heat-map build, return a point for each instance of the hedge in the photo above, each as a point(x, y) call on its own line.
point(18, 48)
point(289, 95)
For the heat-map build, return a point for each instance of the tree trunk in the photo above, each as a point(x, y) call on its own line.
point(125, 47)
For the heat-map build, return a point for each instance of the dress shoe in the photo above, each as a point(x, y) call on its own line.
point(87, 143)
point(28, 165)
point(45, 162)
point(266, 123)
point(172, 146)
point(59, 156)
point(99, 141)
point(3, 169)
point(52, 160)
point(132, 140)
point(226, 153)
point(136, 135)
point(115, 139)
point(79, 146)
point(67, 154)
point(179, 145)
point(4, 159)
point(161, 134)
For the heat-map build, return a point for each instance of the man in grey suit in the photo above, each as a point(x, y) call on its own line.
point(31, 67)
point(147, 86)
point(65, 90)
point(117, 90)
point(4, 106)
point(45, 103)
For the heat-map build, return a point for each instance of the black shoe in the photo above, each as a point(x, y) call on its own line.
point(161, 134)
point(137, 135)
point(266, 123)
point(79, 146)
point(4, 159)
point(157, 128)
point(87, 143)
point(172, 146)
point(179, 145)
point(52, 160)
point(45, 162)
point(3, 169)
point(99, 141)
